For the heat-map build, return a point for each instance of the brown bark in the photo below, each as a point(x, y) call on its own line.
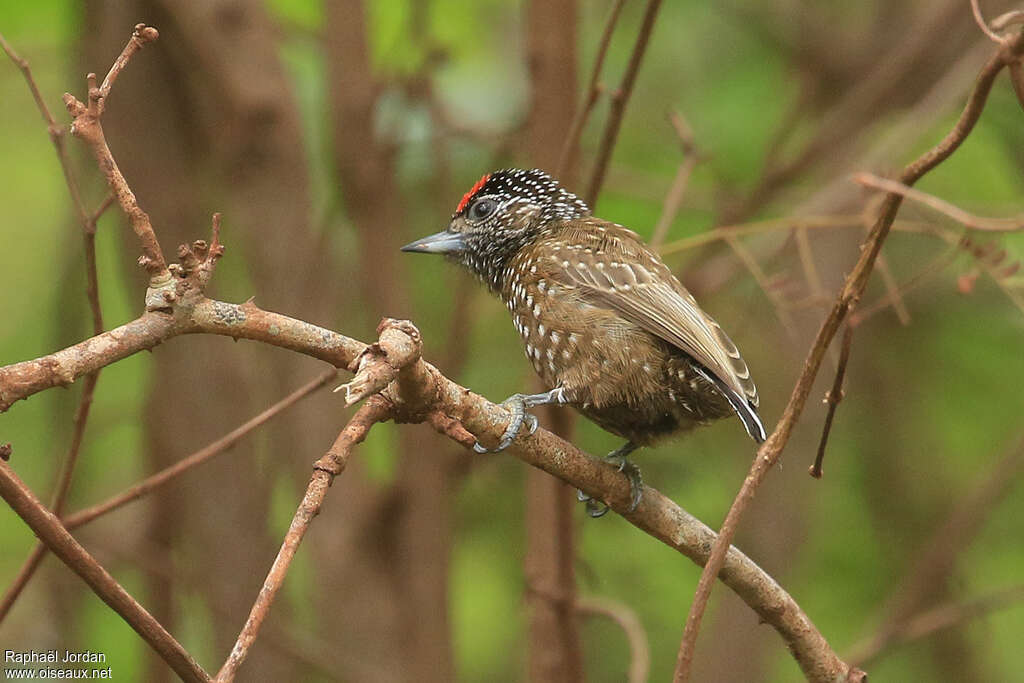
point(553, 642)
point(220, 125)
point(401, 615)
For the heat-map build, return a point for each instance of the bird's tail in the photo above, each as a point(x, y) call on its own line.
point(740, 405)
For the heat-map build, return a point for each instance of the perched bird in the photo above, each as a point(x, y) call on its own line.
point(605, 323)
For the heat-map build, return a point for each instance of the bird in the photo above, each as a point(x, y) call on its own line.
point(606, 325)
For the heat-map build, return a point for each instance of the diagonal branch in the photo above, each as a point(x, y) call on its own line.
point(329, 466)
point(151, 483)
point(86, 125)
point(48, 528)
point(619, 100)
point(422, 393)
point(770, 452)
point(594, 89)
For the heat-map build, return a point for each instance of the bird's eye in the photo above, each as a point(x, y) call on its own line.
point(482, 208)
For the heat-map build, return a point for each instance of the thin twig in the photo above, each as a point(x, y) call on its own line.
point(81, 418)
point(832, 398)
point(619, 100)
point(965, 218)
point(934, 563)
point(87, 126)
point(925, 274)
point(203, 455)
point(594, 89)
point(140, 36)
point(983, 25)
point(626, 618)
point(674, 196)
point(937, 619)
point(770, 452)
point(48, 528)
point(329, 466)
point(778, 304)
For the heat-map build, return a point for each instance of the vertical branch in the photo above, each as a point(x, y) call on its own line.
point(594, 89)
point(81, 418)
point(554, 650)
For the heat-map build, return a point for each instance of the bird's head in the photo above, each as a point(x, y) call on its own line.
point(502, 213)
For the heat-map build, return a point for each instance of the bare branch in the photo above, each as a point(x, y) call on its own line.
point(980, 21)
point(937, 619)
point(674, 196)
point(140, 36)
point(86, 125)
point(629, 622)
point(942, 206)
point(832, 398)
point(594, 90)
point(48, 528)
point(330, 465)
point(770, 452)
point(378, 365)
point(619, 100)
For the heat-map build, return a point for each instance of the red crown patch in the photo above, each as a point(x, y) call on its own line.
point(472, 191)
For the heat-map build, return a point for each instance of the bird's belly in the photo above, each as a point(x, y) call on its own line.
point(625, 379)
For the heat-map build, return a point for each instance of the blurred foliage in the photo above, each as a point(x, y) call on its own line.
point(929, 407)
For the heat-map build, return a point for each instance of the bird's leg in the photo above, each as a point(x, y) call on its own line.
point(517, 404)
point(619, 458)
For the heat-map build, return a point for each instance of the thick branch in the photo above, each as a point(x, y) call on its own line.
point(63, 367)
point(422, 393)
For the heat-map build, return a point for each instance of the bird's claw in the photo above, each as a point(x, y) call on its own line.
point(618, 458)
point(517, 407)
point(595, 508)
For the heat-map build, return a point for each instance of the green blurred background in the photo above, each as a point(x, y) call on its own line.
point(326, 153)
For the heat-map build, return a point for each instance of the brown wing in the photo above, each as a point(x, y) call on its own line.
point(612, 268)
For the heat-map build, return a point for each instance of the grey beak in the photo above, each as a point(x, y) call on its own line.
point(444, 242)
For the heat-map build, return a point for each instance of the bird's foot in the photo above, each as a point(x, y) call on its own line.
point(619, 459)
point(516, 405)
